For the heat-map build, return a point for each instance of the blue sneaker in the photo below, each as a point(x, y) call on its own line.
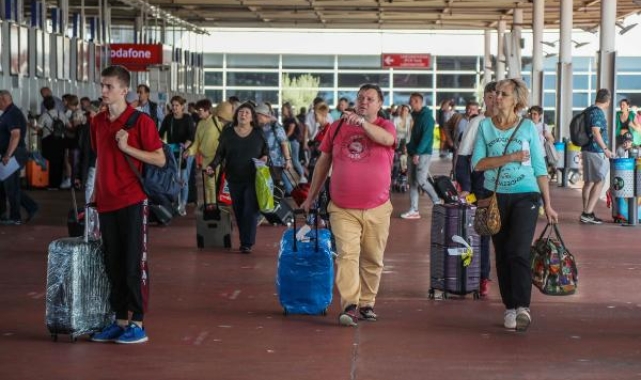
point(108, 334)
point(133, 334)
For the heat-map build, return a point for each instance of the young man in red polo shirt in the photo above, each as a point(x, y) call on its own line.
point(122, 203)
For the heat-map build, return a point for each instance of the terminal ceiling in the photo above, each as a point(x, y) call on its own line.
point(360, 14)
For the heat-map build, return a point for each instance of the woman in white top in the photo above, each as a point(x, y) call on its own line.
point(52, 125)
point(403, 123)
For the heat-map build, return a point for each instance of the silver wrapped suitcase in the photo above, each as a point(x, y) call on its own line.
point(77, 287)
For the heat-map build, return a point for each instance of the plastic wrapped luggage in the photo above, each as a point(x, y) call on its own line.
point(452, 270)
point(77, 296)
point(305, 275)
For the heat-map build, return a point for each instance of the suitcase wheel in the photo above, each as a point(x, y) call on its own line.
point(476, 295)
point(285, 312)
point(430, 294)
point(54, 337)
point(324, 312)
point(73, 338)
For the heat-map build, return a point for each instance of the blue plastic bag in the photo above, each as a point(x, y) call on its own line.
point(305, 276)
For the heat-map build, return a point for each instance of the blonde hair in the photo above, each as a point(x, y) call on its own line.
point(521, 92)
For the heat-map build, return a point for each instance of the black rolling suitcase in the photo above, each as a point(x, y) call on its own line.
point(282, 213)
point(450, 272)
point(213, 224)
point(444, 188)
point(77, 294)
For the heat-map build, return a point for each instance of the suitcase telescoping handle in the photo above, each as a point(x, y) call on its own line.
point(90, 209)
point(74, 202)
point(300, 211)
point(204, 175)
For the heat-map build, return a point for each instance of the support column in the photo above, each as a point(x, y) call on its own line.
point(538, 15)
point(564, 73)
point(515, 65)
point(487, 58)
point(606, 69)
point(500, 55)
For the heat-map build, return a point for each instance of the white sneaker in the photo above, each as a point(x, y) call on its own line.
point(182, 210)
point(411, 214)
point(523, 319)
point(509, 319)
point(302, 180)
point(65, 184)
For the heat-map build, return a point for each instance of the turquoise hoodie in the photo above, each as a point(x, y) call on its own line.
point(422, 137)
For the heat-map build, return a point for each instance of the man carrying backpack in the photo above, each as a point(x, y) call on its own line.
point(595, 156)
point(122, 203)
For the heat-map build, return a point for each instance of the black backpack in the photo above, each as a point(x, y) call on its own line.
point(580, 130)
point(161, 185)
point(57, 127)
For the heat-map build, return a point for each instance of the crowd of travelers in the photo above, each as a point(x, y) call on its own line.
point(358, 143)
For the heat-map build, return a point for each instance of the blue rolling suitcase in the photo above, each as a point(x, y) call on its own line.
point(305, 275)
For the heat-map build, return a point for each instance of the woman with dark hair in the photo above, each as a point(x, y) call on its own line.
point(238, 146)
point(509, 151)
point(626, 123)
point(295, 136)
point(178, 130)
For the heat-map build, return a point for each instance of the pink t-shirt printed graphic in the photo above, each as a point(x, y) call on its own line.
point(361, 168)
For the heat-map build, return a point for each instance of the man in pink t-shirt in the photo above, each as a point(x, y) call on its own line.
point(359, 148)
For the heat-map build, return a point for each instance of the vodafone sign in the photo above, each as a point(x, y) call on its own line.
point(406, 61)
point(136, 57)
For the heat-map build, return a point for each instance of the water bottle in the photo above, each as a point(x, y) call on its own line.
point(526, 148)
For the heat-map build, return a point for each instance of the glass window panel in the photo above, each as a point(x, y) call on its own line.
point(549, 116)
point(580, 99)
point(412, 80)
point(549, 64)
point(628, 82)
point(549, 99)
point(581, 63)
point(580, 82)
point(460, 97)
point(400, 97)
point(526, 64)
point(593, 81)
point(628, 64)
point(265, 61)
point(252, 79)
point(349, 94)
point(213, 60)
point(357, 79)
point(359, 61)
point(308, 61)
point(528, 80)
point(216, 96)
point(326, 79)
point(549, 81)
point(213, 78)
point(258, 96)
point(328, 96)
point(455, 81)
point(455, 63)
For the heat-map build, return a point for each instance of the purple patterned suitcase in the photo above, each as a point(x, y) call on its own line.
point(448, 272)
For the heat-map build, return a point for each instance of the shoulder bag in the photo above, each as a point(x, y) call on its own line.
point(487, 219)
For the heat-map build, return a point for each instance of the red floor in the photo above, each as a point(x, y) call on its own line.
point(215, 314)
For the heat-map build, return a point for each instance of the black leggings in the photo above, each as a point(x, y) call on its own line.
point(124, 236)
point(519, 213)
point(246, 212)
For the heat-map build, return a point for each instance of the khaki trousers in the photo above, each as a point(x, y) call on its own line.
point(361, 237)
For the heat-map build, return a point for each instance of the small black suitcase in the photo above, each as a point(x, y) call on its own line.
point(282, 213)
point(444, 188)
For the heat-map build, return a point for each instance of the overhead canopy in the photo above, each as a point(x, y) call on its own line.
point(369, 14)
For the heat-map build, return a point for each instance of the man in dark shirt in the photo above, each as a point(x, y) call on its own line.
point(13, 127)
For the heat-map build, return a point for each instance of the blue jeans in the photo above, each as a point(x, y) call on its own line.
point(16, 197)
point(296, 157)
point(184, 176)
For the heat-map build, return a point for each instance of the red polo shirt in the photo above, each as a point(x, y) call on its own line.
point(116, 184)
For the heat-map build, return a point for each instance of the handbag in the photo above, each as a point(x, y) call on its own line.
point(554, 270)
point(487, 219)
point(551, 153)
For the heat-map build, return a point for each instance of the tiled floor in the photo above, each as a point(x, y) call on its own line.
point(215, 314)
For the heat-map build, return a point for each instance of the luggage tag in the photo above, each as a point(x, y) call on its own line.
point(470, 198)
point(466, 252)
point(301, 235)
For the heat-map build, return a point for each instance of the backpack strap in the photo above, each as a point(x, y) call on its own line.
point(130, 123)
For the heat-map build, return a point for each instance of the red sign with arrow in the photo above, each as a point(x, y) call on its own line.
point(406, 61)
